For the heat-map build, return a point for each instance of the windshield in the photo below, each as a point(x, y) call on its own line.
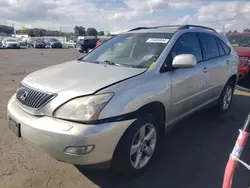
point(239, 41)
point(38, 40)
point(131, 49)
point(80, 40)
point(53, 40)
point(11, 40)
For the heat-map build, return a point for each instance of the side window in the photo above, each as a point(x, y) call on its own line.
point(210, 45)
point(225, 47)
point(221, 50)
point(187, 44)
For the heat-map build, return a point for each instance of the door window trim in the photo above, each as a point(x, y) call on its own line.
point(203, 51)
point(219, 40)
point(167, 68)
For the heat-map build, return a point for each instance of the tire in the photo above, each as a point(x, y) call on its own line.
point(225, 99)
point(125, 162)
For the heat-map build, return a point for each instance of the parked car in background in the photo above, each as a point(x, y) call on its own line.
point(23, 43)
point(10, 43)
point(241, 43)
point(52, 43)
point(112, 105)
point(86, 44)
point(70, 44)
point(35, 43)
point(100, 42)
point(1, 39)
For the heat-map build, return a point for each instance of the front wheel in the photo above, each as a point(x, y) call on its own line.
point(137, 146)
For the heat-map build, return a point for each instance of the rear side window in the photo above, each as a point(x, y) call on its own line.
point(221, 50)
point(225, 47)
point(210, 46)
point(187, 44)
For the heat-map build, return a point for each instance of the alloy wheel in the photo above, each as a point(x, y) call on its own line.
point(143, 146)
point(227, 98)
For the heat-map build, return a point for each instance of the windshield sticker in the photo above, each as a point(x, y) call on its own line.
point(152, 65)
point(157, 40)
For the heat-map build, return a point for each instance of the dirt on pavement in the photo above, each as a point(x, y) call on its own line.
point(194, 153)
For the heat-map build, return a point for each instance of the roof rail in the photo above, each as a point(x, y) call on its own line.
point(196, 26)
point(154, 27)
point(180, 27)
point(139, 28)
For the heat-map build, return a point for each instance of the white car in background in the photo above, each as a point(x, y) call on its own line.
point(23, 43)
point(10, 43)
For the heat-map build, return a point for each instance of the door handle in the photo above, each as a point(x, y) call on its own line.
point(228, 62)
point(205, 69)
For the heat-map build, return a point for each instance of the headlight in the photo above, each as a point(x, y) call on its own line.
point(83, 108)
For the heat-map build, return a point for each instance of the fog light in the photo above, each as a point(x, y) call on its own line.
point(79, 150)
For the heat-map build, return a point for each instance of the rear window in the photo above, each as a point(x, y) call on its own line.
point(210, 46)
point(225, 47)
point(221, 50)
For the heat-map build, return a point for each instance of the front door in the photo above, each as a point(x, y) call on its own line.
point(188, 84)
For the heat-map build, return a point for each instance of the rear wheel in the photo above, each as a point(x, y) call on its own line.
point(225, 99)
point(137, 146)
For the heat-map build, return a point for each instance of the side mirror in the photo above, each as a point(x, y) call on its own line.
point(184, 61)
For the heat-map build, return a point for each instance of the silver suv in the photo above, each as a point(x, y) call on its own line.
point(112, 105)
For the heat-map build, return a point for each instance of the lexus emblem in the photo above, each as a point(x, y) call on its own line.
point(24, 95)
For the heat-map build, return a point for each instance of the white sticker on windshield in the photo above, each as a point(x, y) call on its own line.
point(157, 40)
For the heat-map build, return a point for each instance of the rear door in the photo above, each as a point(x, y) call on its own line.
point(188, 84)
point(216, 63)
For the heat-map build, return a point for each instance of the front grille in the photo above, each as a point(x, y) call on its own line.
point(33, 98)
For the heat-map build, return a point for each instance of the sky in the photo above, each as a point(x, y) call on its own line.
point(119, 15)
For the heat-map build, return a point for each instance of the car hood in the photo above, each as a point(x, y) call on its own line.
point(78, 78)
point(243, 51)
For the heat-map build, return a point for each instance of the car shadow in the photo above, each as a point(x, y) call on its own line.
point(194, 154)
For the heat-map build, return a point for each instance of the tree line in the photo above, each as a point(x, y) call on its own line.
point(37, 32)
point(235, 31)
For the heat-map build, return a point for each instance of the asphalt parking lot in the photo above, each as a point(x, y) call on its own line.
point(194, 154)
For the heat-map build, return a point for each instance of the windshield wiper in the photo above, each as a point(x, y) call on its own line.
point(113, 63)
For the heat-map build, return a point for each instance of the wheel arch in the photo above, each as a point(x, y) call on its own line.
point(155, 108)
point(233, 79)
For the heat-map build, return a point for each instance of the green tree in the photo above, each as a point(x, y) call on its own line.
point(101, 33)
point(91, 32)
point(6, 29)
point(31, 33)
point(79, 31)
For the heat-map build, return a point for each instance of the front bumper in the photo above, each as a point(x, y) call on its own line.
point(56, 135)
